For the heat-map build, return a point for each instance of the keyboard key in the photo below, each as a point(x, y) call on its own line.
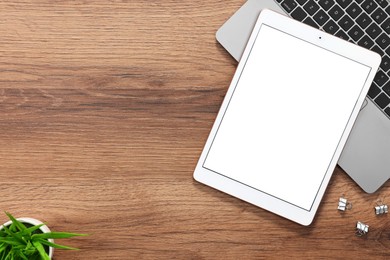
point(289, 5)
point(363, 20)
point(383, 41)
point(385, 64)
point(311, 7)
point(386, 26)
point(336, 12)
point(373, 30)
point(342, 35)
point(366, 42)
point(321, 17)
point(298, 14)
point(387, 110)
point(379, 15)
point(331, 27)
point(301, 2)
point(382, 3)
point(380, 78)
point(356, 33)
point(326, 4)
point(382, 100)
point(310, 22)
point(386, 88)
point(369, 6)
point(346, 23)
point(344, 3)
point(354, 10)
point(374, 91)
point(377, 50)
point(388, 10)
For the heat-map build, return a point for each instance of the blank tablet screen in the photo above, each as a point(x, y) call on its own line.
point(286, 116)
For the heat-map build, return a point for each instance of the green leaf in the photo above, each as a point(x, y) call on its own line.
point(16, 222)
point(56, 235)
point(21, 255)
point(12, 234)
point(30, 230)
point(3, 247)
point(41, 250)
point(47, 243)
point(29, 249)
point(9, 255)
point(7, 231)
point(10, 241)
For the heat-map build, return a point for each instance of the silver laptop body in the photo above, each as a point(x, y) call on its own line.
point(366, 156)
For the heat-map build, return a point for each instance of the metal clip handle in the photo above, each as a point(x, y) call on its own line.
point(361, 229)
point(344, 204)
point(381, 209)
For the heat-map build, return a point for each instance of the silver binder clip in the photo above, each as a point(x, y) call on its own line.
point(381, 208)
point(344, 204)
point(361, 229)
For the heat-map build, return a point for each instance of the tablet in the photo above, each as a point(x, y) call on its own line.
point(286, 117)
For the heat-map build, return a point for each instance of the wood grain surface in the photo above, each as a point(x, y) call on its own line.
point(105, 108)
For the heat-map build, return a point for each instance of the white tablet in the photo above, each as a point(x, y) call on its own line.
point(286, 117)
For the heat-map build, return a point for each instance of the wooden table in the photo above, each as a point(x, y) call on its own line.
point(105, 108)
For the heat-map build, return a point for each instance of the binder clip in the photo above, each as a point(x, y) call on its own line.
point(344, 204)
point(381, 208)
point(361, 229)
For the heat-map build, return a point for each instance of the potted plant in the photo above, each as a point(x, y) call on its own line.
point(29, 239)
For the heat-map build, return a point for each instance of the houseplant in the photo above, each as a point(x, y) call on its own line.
point(26, 238)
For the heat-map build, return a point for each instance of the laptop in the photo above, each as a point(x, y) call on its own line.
point(365, 157)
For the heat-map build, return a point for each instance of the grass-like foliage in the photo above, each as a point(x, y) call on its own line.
point(18, 241)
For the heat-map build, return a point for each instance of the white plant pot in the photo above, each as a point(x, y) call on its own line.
point(34, 222)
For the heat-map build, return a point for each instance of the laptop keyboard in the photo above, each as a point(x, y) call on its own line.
point(364, 22)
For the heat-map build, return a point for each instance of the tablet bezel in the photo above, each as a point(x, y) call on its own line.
point(320, 39)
